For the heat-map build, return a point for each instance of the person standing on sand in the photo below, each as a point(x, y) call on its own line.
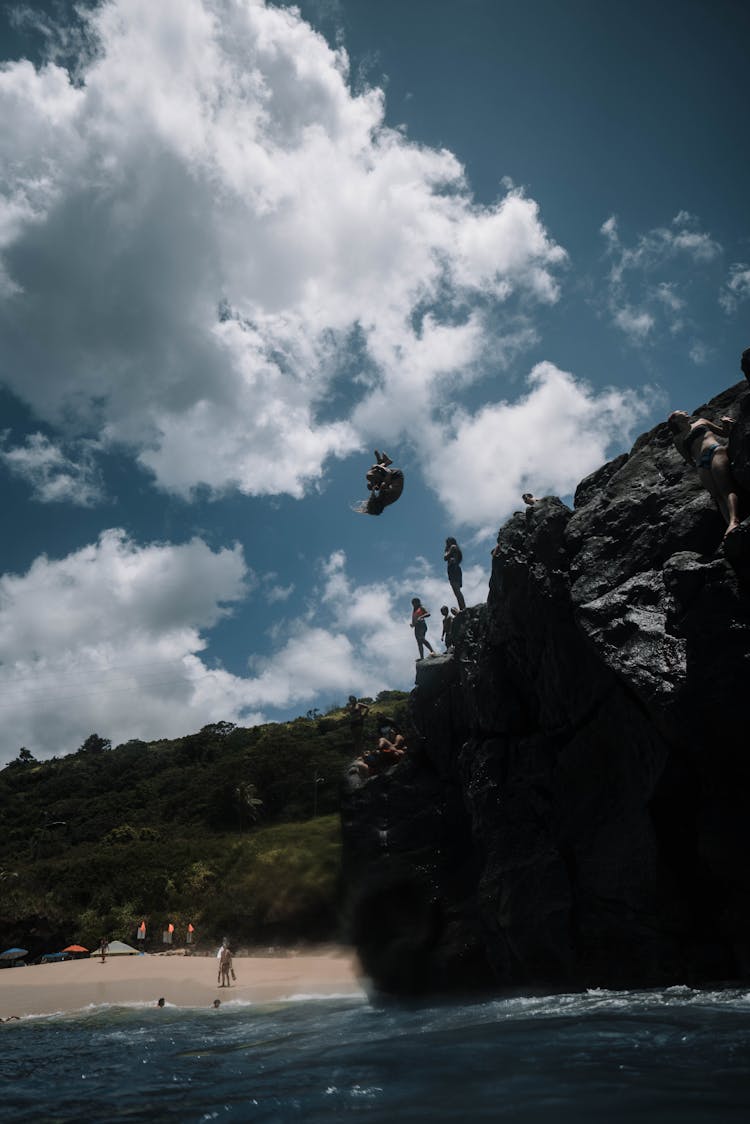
point(224, 944)
point(104, 948)
point(225, 966)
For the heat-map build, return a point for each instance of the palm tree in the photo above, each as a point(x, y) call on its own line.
point(248, 801)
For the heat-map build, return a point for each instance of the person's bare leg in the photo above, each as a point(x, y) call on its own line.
point(727, 489)
point(706, 478)
point(459, 597)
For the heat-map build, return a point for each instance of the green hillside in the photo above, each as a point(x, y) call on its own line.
point(233, 830)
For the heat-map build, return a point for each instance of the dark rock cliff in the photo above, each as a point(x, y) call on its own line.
point(574, 808)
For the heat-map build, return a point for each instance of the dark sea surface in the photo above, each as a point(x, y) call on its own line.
point(602, 1056)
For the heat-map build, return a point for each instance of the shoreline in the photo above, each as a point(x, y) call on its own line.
point(183, 981)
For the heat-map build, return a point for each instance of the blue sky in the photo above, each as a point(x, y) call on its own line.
point(242, 245)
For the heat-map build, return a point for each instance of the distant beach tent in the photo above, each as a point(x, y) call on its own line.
point(119, 948)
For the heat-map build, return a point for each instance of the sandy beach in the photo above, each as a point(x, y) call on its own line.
point(185, 981)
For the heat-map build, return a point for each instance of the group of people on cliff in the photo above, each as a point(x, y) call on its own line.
point(385, 485)
point(453, 557)
point(389, 748)
point(701, 442)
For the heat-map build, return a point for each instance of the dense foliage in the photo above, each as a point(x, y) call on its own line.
point(233, 830)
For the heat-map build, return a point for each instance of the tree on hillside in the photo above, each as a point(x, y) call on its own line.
point(249, 803)
point(95, 744)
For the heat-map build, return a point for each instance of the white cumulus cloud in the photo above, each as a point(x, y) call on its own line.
point(53, 474)
point(109, 638)
point(560, 431)
point(736, 288)
point(192, 229)
point(639, 297)
point(112, 638)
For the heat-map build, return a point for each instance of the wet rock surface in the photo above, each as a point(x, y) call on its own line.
point(574, 808)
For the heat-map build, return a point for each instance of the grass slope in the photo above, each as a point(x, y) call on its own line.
point(233, 830)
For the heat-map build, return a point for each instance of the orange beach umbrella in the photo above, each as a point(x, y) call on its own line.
point(75, 948)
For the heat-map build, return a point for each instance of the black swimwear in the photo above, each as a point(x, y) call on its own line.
point(706, 455)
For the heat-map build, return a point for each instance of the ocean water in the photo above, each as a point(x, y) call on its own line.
point(676, 1055)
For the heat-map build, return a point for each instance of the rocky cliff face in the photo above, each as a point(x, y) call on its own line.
point(575, 810)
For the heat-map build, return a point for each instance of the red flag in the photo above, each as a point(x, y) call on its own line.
point(190, 928)
point(170, 927)
point(142, 927)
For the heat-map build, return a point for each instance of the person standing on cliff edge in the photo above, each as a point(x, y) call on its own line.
point(454, 557)
point(357, 712)
point(419, 624)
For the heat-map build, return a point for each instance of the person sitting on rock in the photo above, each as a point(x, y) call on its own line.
point(695, 441)
point(529, 500)
point(359, 768)
point(391, 752)
point(388, 729)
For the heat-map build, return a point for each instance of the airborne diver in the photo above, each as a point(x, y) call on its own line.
point(385, 485)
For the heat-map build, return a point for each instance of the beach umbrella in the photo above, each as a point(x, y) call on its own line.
point(14, 953)
point(75, 948)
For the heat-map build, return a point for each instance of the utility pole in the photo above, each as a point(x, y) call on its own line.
point(316, 781)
